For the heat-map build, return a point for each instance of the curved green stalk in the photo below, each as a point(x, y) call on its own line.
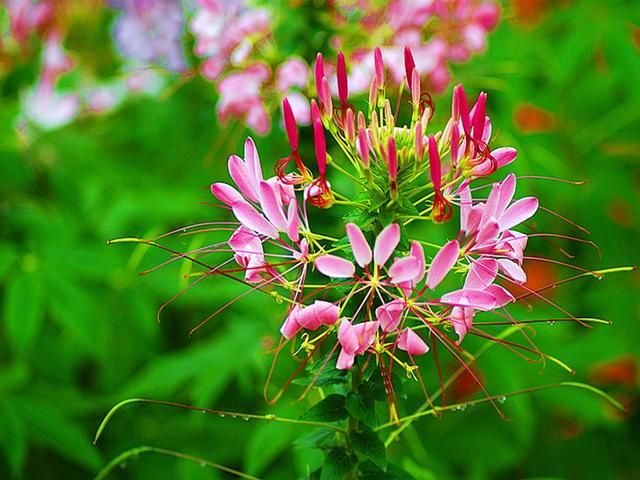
point(500, 398)
point(221, 413)
point(135, 452)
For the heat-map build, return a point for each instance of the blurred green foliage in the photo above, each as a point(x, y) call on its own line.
point(79, 330)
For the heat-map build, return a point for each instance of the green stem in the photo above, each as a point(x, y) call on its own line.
point(135, 452)
point(221, 413)
point(457, 406)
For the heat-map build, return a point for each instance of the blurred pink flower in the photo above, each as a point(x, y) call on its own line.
point(241, 96)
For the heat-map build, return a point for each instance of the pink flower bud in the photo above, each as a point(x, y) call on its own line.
point(350, 125)
point(318, 139)
point(393, 163)
point(363, 147)
point(379, 63)
point(319, 73)
point(325, 97)
point(343, 88)
point(415, 87)
point(361, 121)
point(479, 115)
point(409, 66)
point(290, 124)
point(460, 108)
point(388, 114)
point(434, 163)
point(373, 90)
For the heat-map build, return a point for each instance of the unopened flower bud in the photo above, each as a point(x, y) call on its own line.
point(409, 66)
point(325, 98)
point(363, 147)
point(343, 88)
point(415, 87)
point(373, 92)
point(290, 124)
point(319, 140)
point(319, 73)
point(392, 158)
point(350, 125)
point(379, 64)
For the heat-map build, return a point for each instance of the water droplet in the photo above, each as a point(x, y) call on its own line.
point(246, 419)
point(551, 322)
point(221, 415)
point(203, 411)
point(123, 465)
point(234, 416)
point(203, 464)
point(502, 399)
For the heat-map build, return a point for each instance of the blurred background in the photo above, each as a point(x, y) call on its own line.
point(79, 330)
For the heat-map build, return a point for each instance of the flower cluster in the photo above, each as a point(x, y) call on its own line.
point(370, 284)
point(440, 32)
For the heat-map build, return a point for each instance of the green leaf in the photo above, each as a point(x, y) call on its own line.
point(23, 312)
point(369, 471)
point(361, 405)
point(368, 444)
point(48, 426)
point(318, 438)
point(13, 440)
point(268, 441)
point(331, 409)
point(336, 465)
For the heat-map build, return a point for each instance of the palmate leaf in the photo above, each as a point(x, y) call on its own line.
point(367, 444)
point(330, 409)
point(336, 465)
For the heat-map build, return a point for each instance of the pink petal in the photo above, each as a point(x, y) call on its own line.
point(272, 206)
point(410, 342)
point(507, 189)
point(517, 213)
point(345, 360)
point(293, 222)
point(359, 245)
point(444, 260)
point(365, 332)
point(513, 270)
point(318, 313)
point(488, 235)
point(335, 267)
point(242, 178)
point(503, 296)
point(291, 326)
point(466, 202)
point(462, 320)
point(504, 156)
point(481, 274)
point(386, 243)
point(250, 218)
point(388, 315)
point(347, 337)
point(489, 211)
point(479, 299)
point(226, 193)
point(417, 252)
point(252, 159)
point(404, 269)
